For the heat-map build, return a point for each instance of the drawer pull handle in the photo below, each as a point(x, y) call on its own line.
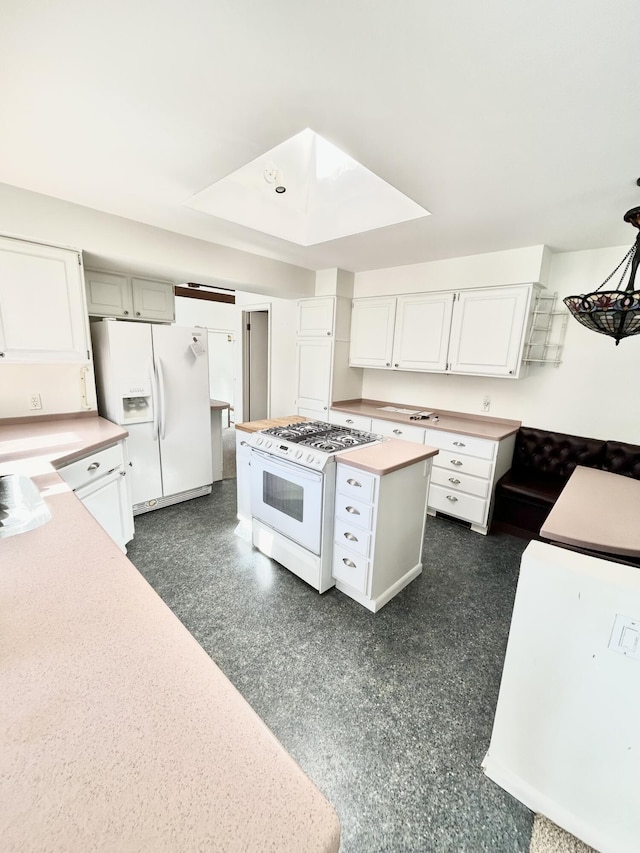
point(93, 466)
point(352, 510)
point(243, 444)
point(397, 432)
point(349, 421)
point(353, 482)
point(350, 537)
point(349, 563)
point(454, 480)
point(459, 444)
point(452, 498)
point(456, 462)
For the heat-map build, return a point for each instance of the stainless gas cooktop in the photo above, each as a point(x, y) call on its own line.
point(310, 443)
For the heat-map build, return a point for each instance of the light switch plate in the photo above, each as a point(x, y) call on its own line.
point(625, 636)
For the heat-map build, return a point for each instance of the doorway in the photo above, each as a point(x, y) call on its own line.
point(255, 365)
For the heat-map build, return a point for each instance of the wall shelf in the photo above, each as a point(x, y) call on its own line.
point(546, 334)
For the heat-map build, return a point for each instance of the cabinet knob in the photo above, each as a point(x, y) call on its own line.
point(353, 482)
point(137, 313)
point(328, 333)
point(93, 466)
point(388, 364)
point(350, 537)
point(324, 408)
point(123, 473)
point(454, 480)
point(456, 462)
point(1, 355)
point(349, 421)
point(452, 498)
point(396, 365)
point(397, 432)
point(125, 312)
point(459, 444)
point(511, 372)
point(349, 563)
point(352, 510)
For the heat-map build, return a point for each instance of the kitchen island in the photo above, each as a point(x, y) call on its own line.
point(118, 730)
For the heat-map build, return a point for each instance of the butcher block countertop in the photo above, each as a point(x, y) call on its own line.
point(267, 423)
point(479, 426)
point(118, 731)
point(388, 456)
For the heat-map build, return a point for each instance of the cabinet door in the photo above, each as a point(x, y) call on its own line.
point(107, 501)
point(372, 325)
point(487, 331)
point(421, 337)
point(313, 379)
point(153, 300)
point(42, 304)
point(108, 295)
point(315, 317)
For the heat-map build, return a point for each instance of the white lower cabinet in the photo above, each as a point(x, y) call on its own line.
point(243, 484)
point(349, 420)
point(404, 432)
point(465, 473)
point(378, 531)
point(100, 482)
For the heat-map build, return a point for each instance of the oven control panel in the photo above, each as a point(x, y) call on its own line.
point(292, 452)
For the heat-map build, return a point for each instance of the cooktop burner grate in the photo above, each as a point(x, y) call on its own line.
point(321, 435)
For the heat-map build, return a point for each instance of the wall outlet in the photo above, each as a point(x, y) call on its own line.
point(35, 402)
point(486, 403)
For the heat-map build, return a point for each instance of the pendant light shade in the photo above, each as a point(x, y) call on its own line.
point(613, 312)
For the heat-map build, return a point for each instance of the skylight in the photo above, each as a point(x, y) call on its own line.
point(307, 191)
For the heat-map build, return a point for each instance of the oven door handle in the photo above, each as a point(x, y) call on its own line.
point(298, 471)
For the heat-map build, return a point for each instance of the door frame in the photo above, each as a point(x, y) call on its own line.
point(244, 396)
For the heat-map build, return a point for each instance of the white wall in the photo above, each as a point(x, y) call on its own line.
point(115, 243)
point(593, 392)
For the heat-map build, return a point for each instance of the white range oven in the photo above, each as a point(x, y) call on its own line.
point(293, 491)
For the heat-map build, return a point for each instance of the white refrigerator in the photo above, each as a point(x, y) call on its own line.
point(154, 380)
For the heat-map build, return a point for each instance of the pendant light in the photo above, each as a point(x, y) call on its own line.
point(613, 312)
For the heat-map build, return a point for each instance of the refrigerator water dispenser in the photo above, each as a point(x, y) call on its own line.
point(137, 409)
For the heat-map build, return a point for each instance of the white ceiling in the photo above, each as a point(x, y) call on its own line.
point(514, 123)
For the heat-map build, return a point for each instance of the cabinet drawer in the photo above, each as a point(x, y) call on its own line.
point(480, 447)
point(352, 537)
point(354, 511)
point(356, 483)
point(460, 482)
point(462, 464)
point(353, 421)
point(391, 429)
point(92, 467)
point(457, 503)
point(350, 568)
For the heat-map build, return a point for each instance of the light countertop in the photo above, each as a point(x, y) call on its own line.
point(267, 423)
point(597, 510)
point(118, 730)
point(388, 456)
point(479, 426)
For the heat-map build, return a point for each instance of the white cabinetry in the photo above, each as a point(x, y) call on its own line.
point(464, 475)
point(128, 297)
point(477, 332)
point(349, 420)
point(322, 348)
point(392, 429)
point(43, 316)
point(100, 482)
point(378, 531)
point(243, 484)
point(488, 331)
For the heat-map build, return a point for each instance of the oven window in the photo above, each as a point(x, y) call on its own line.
point(282, 495)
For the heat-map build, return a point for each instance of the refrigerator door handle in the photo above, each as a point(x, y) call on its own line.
point(154, 389)
point(161, 394)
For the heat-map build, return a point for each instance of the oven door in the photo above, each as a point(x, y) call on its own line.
point(288, 498)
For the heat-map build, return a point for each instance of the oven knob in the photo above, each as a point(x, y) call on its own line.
point(310, 457)
point(259, 440)
point(298, 454)
point(268, 443)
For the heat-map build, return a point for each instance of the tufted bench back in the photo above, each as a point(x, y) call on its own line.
point(620, 458)
point(539, 452)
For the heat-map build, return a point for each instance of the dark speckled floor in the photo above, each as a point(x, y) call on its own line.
point(389, 713)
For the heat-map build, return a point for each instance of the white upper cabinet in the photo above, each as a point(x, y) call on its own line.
point(315, 317)
point(488, 331)
point(422, 327)
point(478, 331)
point(372, 326)
point(43, 315)
point(129, 298)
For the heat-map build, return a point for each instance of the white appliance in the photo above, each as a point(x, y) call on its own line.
point(293, 492)
point(154, 380)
